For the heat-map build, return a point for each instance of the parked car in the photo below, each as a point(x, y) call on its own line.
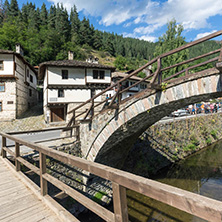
point(179, 112)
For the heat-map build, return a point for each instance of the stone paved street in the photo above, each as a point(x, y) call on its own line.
point(33, 120)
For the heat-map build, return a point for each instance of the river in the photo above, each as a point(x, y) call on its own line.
point(200, 173)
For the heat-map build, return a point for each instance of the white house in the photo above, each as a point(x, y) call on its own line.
point(68, 83)
point(18, 81)
point(116, 76)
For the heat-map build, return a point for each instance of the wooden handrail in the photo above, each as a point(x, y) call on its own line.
point(203, 207)
point(191, 60)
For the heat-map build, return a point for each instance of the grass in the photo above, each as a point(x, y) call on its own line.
point(98, 196)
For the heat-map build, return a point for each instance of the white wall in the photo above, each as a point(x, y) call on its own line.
point(89, 77)
point(76, 76)
point(70, 95)
point(8, 64)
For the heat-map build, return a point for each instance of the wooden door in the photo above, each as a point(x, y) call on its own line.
point(57, 114)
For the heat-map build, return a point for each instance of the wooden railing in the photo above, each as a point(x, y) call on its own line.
point(153, 80)
point(203, 207)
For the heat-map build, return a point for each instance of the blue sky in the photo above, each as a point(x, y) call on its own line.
point(146, 19)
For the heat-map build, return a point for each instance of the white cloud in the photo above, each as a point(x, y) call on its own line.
point(148, 15)
point(201, 35)
point(192, 13)
point(144, 37)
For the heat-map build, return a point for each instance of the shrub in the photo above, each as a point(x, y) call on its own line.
point(208, 141)
point(214, 134)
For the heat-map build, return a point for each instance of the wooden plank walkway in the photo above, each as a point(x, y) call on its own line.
point(18, 203)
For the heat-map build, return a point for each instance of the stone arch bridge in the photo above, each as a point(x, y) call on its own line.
point(107, 136)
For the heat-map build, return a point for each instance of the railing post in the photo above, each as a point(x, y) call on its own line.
point(220, 56)
point(74, 117)
point(120, 203)
point(92, 109)
point(78, 133)
point(159, 73)
point(42, 165)
point(17, 154)
point(3, 145)
point(118, 91)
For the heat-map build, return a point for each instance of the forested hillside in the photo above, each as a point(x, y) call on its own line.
point(49, 34)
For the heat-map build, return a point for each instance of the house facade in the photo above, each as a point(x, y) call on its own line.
point(68, 83)
point(116, 76)
point(18, 81)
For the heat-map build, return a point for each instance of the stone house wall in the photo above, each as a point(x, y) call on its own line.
point(8, 99)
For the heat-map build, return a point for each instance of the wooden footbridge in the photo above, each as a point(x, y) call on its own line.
point(19, 196)
point(22, 200)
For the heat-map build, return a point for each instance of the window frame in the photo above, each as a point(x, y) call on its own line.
point(65, 74)
point(2, 84)
point(31, 78)
point(61, 93)
point(101, 73)
point(95, 74)
point(2, 66)
point(98, 74)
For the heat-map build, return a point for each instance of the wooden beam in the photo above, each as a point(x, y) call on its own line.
point(90, 204)
point(7, 150)
point(3, 145)
point(220, 56)
point(17, 154)
point(120, 203)
point(191, 60)
point(42, 165)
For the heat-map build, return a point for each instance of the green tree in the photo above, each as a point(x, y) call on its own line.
point(43, 14)
point(120, 63)
point(14, 9)
point(170, 40)
point(75, 25)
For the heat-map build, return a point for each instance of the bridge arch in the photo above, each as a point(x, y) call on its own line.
point(108, 138)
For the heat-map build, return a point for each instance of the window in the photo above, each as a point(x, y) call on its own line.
point(60, 92)
point(1, 65)
point(98, 74)
point(95, 74)
point(0, 106)
point(30, 92)
point(65, 74)
point(31, 78)
point(2, 87)
point(27, 72)
point(101, 74)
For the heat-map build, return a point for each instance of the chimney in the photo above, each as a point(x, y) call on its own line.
point(92, 59)
point(70, 55)
point(19, 49)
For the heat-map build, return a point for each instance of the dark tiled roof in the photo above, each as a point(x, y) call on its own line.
point(6, 51)
point(71, 63)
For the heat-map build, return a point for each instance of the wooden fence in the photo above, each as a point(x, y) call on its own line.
point(154, 80)
point(203, 207)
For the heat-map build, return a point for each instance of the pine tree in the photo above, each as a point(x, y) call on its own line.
point(52, 17)
point(14, 9)
point(6, 7)
point(97, 40)
point(75, 25)
point(43, 15)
